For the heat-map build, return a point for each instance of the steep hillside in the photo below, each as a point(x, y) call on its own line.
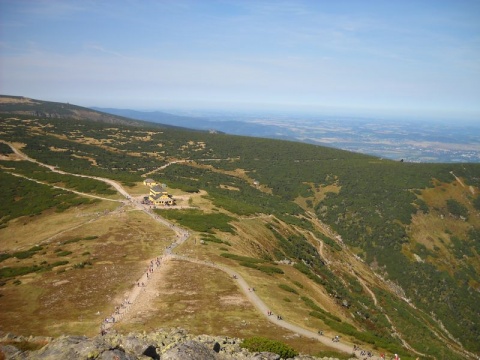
point(227, 126)
point(384, 253)
point(19, 105)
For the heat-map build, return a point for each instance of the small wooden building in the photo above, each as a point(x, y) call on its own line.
point(160, 196)
point(163, 199)
point(149, 182)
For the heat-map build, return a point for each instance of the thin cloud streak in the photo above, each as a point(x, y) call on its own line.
point(368, 54)
point(103, 50)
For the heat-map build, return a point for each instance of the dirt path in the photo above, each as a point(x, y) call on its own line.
point(141, 297)
point(164, 166)
point(264, 309)
point(152, 273)
point(135, 297)
point(375, 301)
point(471, 188)
point(149, 279)
point(63, 188)
point(458, 179)
point(52, 168)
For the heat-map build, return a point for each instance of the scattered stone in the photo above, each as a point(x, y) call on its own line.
point(10, 352)
point(189, 350)
point(162, 344)
point(266, 356)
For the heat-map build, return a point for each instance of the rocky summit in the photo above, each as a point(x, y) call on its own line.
point(172, 344)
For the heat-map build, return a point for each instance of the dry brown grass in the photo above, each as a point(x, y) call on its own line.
point(199, 200)
point(196, 297)
point(24, 232)
point(319, 193)
point(205, 300)
point(435, 229)
point(75, 300)
point(435, 224)
point(254, 240)
point(240, 173)
point(138, 189)
point(21, 100)
point(199, 298)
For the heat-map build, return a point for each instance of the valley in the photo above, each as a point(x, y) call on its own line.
point(381, 253)
point(136, 300)
point(423, 140)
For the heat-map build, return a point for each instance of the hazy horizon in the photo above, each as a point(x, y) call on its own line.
point(410, 139)
point(245, 111)
point(409, 58)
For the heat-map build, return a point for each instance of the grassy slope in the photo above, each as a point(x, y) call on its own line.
point(335, 184)
point(113, 259)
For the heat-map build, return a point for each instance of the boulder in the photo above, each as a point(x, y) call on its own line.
point(171, 344)
point(266, 356)
point(189, 350)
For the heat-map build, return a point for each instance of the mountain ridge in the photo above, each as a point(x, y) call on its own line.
point(201, 123)
point(47, 109)
point(410, 139)
point(315, 220)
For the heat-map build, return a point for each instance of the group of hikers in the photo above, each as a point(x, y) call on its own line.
point(126, 302)
point(269, 313)
point(365, 355)
point(157, 262)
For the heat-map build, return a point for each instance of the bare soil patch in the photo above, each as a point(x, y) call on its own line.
point(75, 297)
point(289, 305)
point(21, 100)
point(26, 231)
point(204, 300)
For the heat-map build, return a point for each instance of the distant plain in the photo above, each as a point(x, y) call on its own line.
point(432, 140)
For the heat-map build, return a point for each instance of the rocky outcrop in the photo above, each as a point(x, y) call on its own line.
point(174, 344)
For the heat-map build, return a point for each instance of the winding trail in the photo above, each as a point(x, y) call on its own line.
point(63, 188)
point(181, 236)
point(164, 166)
point(375, 301)
point(367, 289)
point(471, 188)
point(264, 309)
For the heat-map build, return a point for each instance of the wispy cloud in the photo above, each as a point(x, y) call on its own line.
point(100, 49)
point(280, 51)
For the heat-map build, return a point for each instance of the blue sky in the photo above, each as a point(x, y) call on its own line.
point(412, 57)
